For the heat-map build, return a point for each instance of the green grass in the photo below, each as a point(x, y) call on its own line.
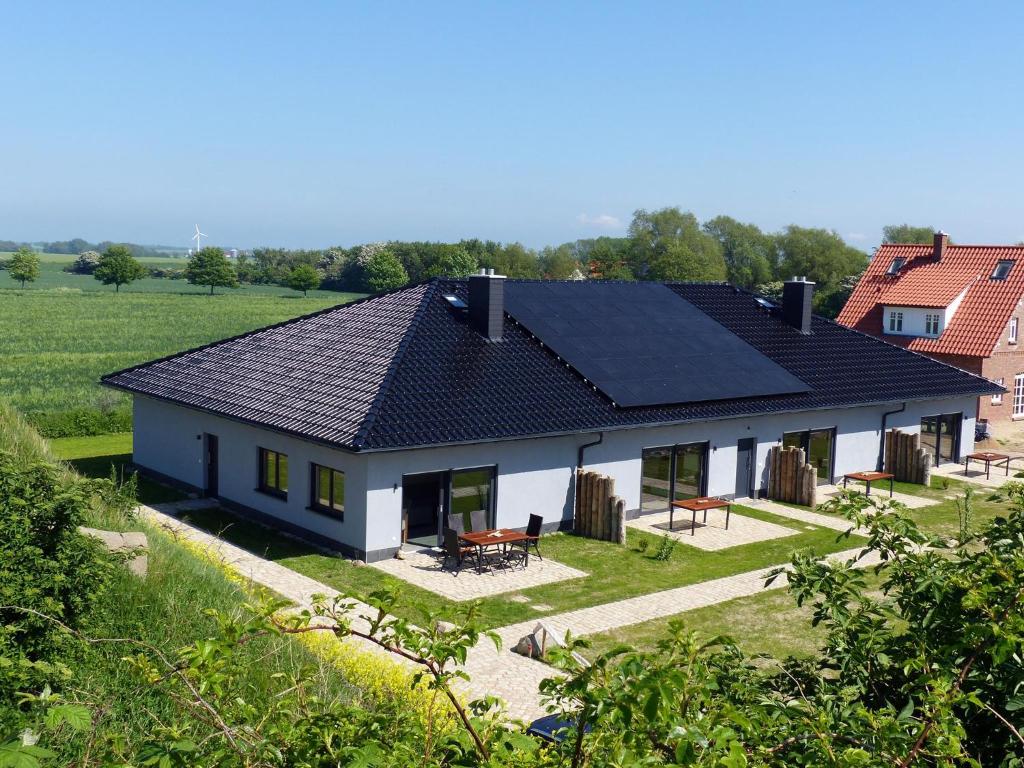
point(95, 457)
point(65, 331)
point(771, 622)
point(614, 572)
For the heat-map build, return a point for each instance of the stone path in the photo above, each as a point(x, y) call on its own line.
point(502, 673)
point(422, 567)
point(976, 476)
point(713, 536)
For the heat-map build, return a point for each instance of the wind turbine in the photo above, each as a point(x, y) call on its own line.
point(198, 237)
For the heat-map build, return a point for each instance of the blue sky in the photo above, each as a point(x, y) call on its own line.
point(310, 124)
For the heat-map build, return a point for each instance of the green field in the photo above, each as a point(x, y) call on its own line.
point(64, 331)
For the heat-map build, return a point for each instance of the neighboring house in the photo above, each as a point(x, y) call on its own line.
point(960, 304)
point(364, 425)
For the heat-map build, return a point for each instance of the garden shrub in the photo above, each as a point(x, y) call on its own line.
point(81, 422)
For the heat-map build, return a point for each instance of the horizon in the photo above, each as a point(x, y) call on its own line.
point(531, 124)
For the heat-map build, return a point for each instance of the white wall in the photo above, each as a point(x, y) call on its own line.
point(534, 475)
point(168, 440)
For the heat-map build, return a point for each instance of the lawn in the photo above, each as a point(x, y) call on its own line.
point(614, 572)
point(65, 331)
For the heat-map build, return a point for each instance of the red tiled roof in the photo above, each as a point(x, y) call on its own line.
point(924, 282)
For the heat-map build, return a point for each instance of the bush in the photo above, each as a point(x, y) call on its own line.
point(81, 422)
point(85, 264)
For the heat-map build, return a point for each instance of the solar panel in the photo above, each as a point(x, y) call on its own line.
point(641, 344)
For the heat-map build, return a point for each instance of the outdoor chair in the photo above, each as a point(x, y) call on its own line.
point(478, 520)
point(457, 523)
point(533, 533)
point(454, 550)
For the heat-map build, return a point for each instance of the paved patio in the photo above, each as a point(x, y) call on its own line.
point(976, 475)
point(422, 567)
point(713, 536)
point(879, 490)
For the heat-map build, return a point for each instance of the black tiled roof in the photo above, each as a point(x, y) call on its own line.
point(403, 370)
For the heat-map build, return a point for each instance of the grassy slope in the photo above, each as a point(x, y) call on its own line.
point(614, 572)
point(165, 610)
point(64, 332)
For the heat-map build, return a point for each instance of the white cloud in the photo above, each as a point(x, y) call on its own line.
point(601, 221)
point(856, 236)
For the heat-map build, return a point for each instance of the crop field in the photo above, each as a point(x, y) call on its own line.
point(64, 331)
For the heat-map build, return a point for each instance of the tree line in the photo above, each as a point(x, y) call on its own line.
point(666, 245)
point(77, 245)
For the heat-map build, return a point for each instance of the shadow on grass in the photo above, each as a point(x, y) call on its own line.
point(250, 536)
point(149, 491)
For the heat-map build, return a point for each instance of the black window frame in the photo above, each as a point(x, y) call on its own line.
point(1002, 264)
point(314, 491)
point(674, 450)
point(805, 446)
point(264, 486)
point(895, 266)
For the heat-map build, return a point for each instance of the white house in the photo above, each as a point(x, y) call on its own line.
point(365, 425)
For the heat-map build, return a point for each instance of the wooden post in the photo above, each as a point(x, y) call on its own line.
point(609, 512)
point(585, 505)
point(620, 521)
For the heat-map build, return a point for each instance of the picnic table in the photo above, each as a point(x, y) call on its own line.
point(498, 537)
point(989, 458)
point(699, 504)
point(868, 478)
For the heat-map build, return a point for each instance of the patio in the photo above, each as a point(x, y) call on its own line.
point(422, 567)
point(712, 536)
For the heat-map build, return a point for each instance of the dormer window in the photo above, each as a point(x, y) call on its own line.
point(895, 322)
point(896, 266)
point(1002, 270)
point(931, 324)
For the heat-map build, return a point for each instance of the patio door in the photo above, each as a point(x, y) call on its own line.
point(940, 437)
point(819, 447)
point(672, 472)
point(428, 498)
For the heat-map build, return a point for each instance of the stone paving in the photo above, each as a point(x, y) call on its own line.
point(881, 491)
point(976, 475)
point(713, 536)
point(422, 567)
point(501, 673)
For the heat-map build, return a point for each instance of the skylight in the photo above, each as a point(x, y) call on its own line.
point(896, 266)
point(1002, 270)
point(455, 302)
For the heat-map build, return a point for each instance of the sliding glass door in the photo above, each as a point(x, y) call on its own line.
point(940, 437)
point(672, 472)
point(818, 446)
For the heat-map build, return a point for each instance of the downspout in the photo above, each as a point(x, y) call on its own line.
point(880, 466)
point(579, 466)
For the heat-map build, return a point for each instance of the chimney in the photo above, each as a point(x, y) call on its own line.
point(939, 242)
point(796, 303)
point(487, 303)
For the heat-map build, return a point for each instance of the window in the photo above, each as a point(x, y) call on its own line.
point(940, 437)
point(1013, 331)
point(1002, 270)
point(1018, 395)
point(896, 266)
point(895, 322)
point(931, 325)
point(673, 472)
point(273, 472)
point(998, 399)
point(328, 494)
point(817, 445)
point(472, 490)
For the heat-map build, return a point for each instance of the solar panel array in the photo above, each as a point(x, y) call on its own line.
point(641, 344)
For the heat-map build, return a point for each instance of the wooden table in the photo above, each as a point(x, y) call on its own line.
point(868, 478)
point(989, 459)
point(499, 537)
point(699, 504)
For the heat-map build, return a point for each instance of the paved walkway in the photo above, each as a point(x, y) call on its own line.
point(712, 536)
point(502, 673)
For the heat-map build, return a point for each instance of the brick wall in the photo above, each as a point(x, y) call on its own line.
point(1006, 362)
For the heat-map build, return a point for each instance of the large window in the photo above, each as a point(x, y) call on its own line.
point(472, 490)
point(273, 472)
point(895, 322)
point(817, 445)
point(328, 494)
point(940, 437)
point(672, 472)
point(1018, 395)
point(931, 325)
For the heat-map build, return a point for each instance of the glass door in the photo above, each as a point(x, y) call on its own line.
point(940, 437)
point(655, 479)
point(672, 472)
point(472, 491)
point(689, 471)
point(818, 446)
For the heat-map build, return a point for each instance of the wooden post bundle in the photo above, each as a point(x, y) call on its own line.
point(906, 459)
point(599, 513)
point(790, 477)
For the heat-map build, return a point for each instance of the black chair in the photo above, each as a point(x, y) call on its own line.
point(454, 550)
point(533, 528)
point(457, 523)
point(478, 520)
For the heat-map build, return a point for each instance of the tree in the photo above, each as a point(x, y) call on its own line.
point(749, 253)
point(452, 261)
point(24, 265)
point(558, 263)
point(905, 233)
point(384, 272)
point(669, 245)
point(118, 267)
point(85, 264)
point(211, 267)
point(819, 255)
point(303, 278)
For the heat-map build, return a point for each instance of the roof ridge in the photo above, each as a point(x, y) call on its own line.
point(383, 389)
point(254, 331)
